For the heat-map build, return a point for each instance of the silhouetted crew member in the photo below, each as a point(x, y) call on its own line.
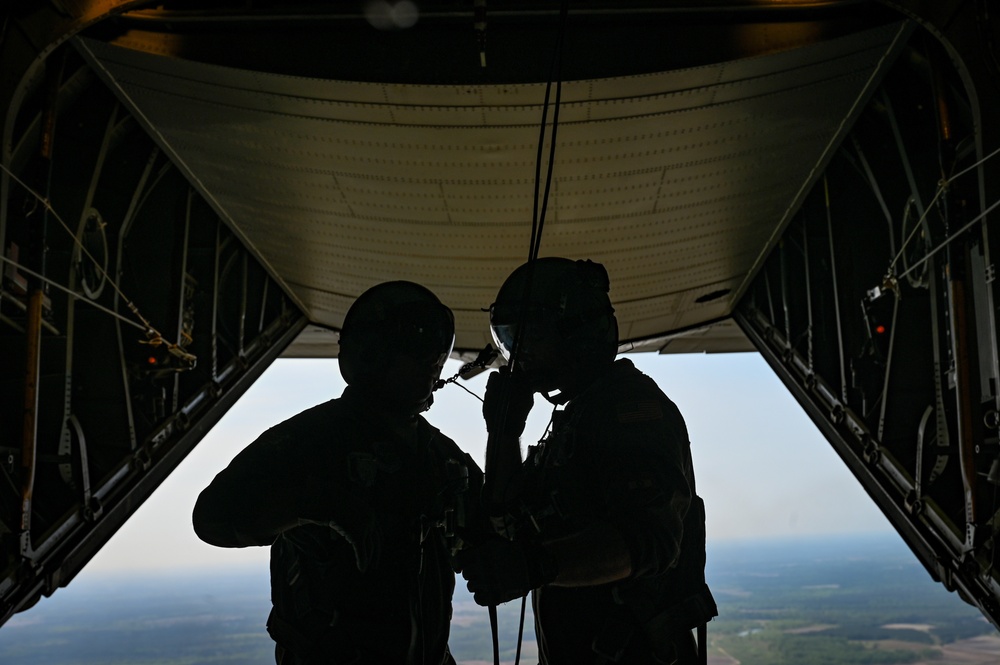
point(358, 497)
point(601, 520)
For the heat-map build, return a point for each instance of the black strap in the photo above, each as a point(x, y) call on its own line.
point(494, 628)
point(660, 630)
point(693, 611)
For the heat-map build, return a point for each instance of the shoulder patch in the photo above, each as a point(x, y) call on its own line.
point(637, 412)
point(361, 468)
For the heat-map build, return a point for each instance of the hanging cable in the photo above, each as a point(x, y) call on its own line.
point(555, 71)
point(537, 222)
point(520, 630)
point(540, 205)
point(537, 225)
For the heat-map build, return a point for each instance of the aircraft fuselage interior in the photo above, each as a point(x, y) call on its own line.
point(191, 190)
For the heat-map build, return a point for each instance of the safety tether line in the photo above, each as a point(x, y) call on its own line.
point(947, 241)
point(153, 336)
point(68, 291)
point(942, 188)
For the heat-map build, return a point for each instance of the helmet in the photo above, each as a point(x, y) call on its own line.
point(560, 304)
point(390, 321)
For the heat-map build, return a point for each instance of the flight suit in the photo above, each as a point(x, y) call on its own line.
point(396, 493)
point(619, 453)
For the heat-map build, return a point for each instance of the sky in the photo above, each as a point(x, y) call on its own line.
point(762, 467)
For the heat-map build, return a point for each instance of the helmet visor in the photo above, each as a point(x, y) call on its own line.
point(506, 321)
point(503, 339)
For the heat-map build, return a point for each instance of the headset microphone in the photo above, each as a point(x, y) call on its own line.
point(469, 370)
point(482, 361)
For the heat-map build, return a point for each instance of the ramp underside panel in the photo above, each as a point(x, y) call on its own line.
point(679, 182)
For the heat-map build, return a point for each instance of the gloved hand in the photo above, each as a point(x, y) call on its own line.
point(500, 570)
point(507, 403)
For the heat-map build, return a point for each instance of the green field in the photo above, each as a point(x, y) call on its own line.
point(863, 602)
point(859, 601)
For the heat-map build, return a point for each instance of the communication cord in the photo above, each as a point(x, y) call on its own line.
point(537, 226)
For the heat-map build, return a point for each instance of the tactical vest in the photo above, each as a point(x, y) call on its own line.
point(325, 609)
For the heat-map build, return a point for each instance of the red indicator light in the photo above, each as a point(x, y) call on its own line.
point(151, 360)
point(880, 330)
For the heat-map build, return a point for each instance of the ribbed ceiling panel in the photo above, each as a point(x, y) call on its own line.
point(679, 181)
